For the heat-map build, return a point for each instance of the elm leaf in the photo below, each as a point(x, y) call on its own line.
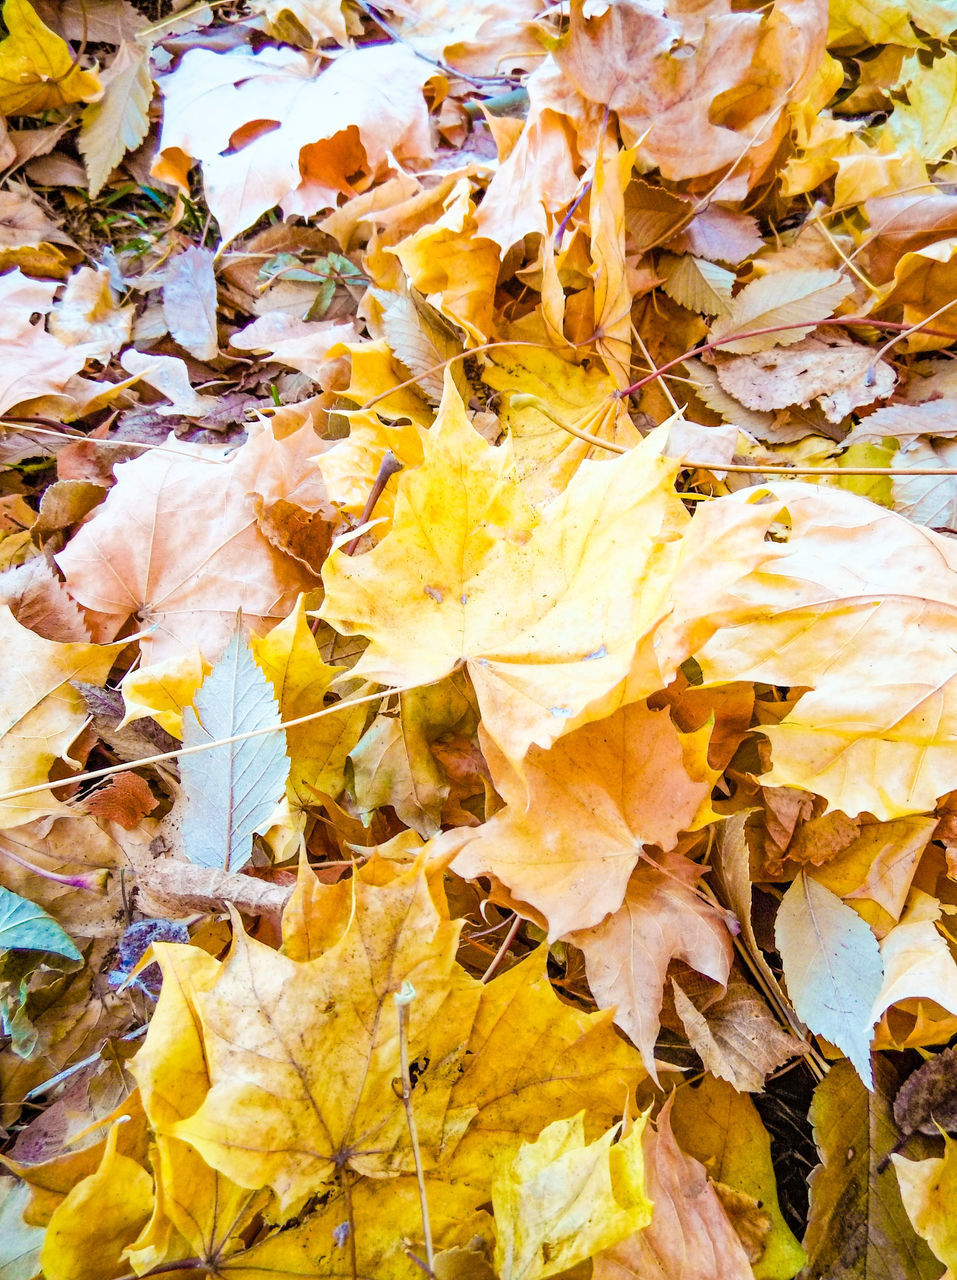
point(833, 968)
point(233, 788)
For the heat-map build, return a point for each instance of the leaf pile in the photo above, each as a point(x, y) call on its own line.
point(478, 580)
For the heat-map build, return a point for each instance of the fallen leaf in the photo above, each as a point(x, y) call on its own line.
point(689, 1236)
point(721, 1128)
point(838, 374)
point(393, 933)
point(613, 790)
point(289, 658)
point(561, 1200)
point(925, 1102)
point(38, 72)
point(461, 531)
point(857, 1223)
point(628, 954)
point(882, 748)
point(233, 787)
point(189, 302)
point(736, 1037)
point(150, 550)
point(832, 967)
point(271, 128)
point(43, 714)
point(663, 72)
point(119, 121)
point(927, 1188)
point(781, 298)
point(99, 1217)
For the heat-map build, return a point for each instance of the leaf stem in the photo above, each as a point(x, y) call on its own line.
point(403, 999)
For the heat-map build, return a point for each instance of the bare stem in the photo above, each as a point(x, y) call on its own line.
point(403, 999)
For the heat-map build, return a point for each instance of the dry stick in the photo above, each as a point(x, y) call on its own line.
point(403, 998)
point(26, 427)
point(388, 467)
point(93, 774)
point(503, 949)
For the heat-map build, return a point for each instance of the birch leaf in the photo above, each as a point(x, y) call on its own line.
point(119, 121)
point(784, 297)
point(833, 968)
point(231, 789)
point(696, 283)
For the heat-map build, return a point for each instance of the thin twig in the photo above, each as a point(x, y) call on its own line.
point(403, 999)
point(93, 774)
point(503, 949)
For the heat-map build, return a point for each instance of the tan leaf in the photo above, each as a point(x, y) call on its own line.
point(689, 1237)
point(839, 374)
point(189, 302)
point(118, 122)
point(151, 548)
point(736, 1037)
point(781, 298)
point(627, 955)
point(271, 128)
point(611, 789)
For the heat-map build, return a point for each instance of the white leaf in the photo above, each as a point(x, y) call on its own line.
point(833, 968)
point(118, 122)
point(189, 302)
point(233, 789)
point(784, 297)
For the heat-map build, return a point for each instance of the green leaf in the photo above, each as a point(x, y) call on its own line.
point(26, 927)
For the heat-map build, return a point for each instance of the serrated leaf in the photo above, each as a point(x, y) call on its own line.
point(421, 338)
point(119, 121)
point(231, 789)
point(833, 968)
point(696, 283)
point(784, 297)
point(26, 927)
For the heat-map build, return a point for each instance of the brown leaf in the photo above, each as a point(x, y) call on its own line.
point(736, 1037)
point(126, 798)
point(39, 601)
point(690, 1236)
point(928, 1097)
point(839, 374)
point(627, 955)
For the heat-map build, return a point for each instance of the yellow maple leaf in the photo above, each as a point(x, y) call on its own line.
point(540, 605)
point(272, 1073)
point(870, 631)
point(562, 1199)
point(98, 1218)
point(290, 659)
point(38, 71)
point(41, 714)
